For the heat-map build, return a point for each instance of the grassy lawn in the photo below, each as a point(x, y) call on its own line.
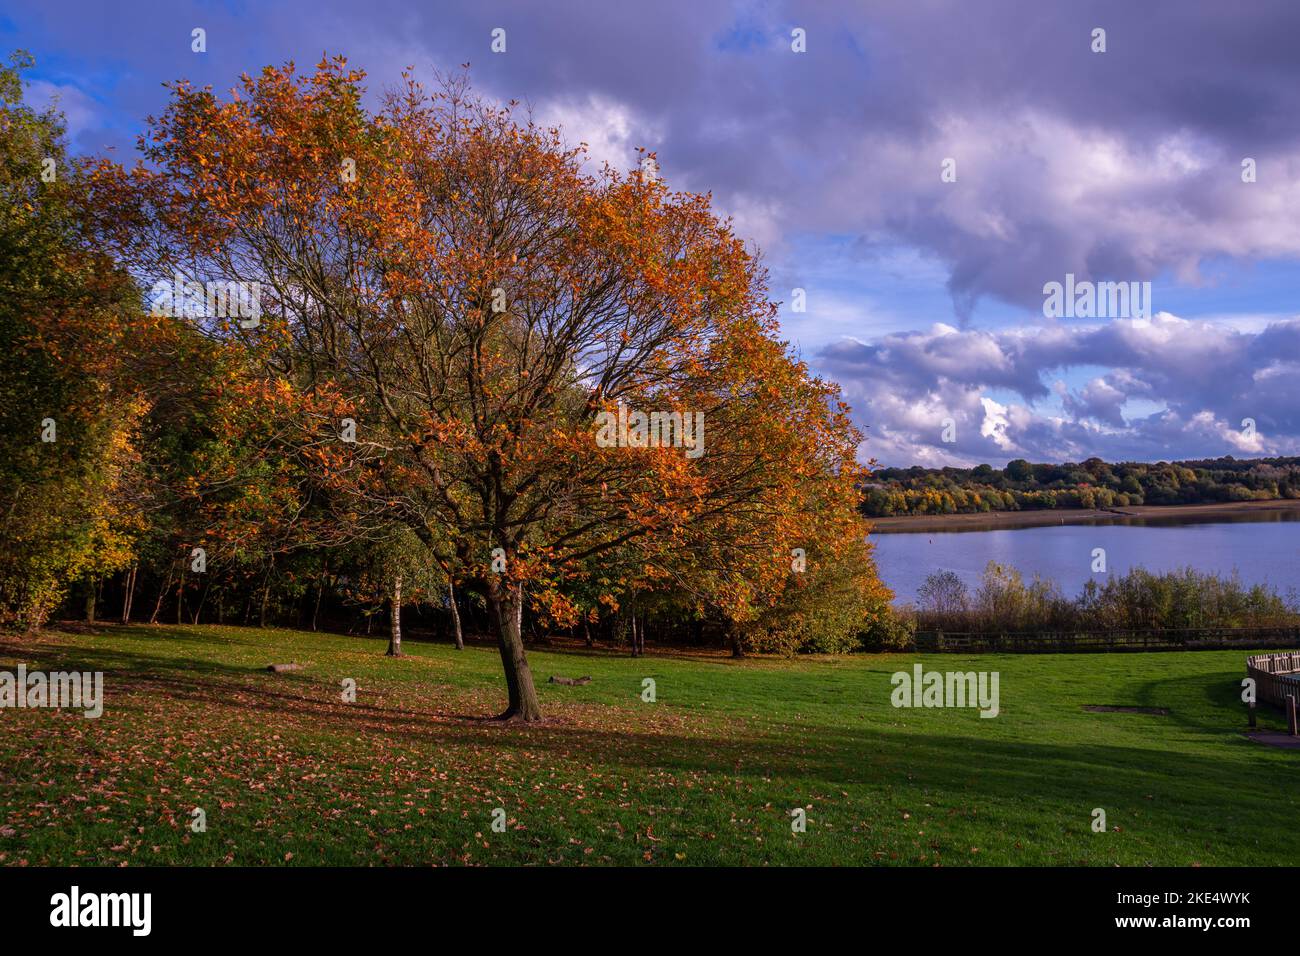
point(288, 773)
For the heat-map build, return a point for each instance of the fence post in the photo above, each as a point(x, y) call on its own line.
point(1290, 716)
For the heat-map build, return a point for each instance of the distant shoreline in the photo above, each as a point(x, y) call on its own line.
point(996, 520)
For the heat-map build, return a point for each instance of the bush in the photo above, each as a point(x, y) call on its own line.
point(890, 629)
point(1138, 600)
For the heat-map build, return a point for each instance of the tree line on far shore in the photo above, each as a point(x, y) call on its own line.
point(1022, 486)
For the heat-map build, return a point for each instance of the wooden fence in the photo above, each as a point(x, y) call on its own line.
point(1276, 676)
point(1057, 642)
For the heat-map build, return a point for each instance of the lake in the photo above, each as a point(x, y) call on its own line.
point(1263, 548)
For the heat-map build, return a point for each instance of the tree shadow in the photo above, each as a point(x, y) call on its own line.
point(961, 763)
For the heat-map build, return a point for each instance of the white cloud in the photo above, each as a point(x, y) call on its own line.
point(79, 110)
point(611, 130)
point(1195, 385)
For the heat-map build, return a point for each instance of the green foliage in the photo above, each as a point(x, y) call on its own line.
point(889, 629)
point(1019, 470)
point(825, 608)
point(61, 517)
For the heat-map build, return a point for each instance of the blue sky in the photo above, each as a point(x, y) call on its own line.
point(924, 297)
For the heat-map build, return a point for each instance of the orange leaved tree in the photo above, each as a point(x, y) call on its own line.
point(533, 367)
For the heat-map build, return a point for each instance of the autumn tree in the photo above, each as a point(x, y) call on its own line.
point(454, 303)
point(69, 413)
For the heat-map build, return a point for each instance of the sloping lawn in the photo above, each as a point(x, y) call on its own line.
point(286, 772)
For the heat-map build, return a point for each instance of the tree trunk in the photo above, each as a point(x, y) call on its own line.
point(455, 614)
point(506, 608)
point(634, 647)
point(586, 630)
point(202, 600)
point(320, 589)
point(266, 593)
point(130, 594)
point(161, 594)
point(90, 600)
point(737, 644)
point(395, 619)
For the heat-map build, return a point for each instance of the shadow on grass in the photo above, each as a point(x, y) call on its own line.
point(957, 762)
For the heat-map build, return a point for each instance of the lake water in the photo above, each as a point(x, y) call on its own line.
point(1263, 548)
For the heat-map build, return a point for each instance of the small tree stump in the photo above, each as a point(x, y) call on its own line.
point(569, 681)
point(281, 668)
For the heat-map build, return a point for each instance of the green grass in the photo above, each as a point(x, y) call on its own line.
point(707, 774)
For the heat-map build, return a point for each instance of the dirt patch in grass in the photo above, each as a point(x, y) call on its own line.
point(1122, 709)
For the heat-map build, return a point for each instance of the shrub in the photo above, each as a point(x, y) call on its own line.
point(890, 629)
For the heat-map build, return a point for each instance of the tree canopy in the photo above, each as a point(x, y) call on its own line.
point(339, 348)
